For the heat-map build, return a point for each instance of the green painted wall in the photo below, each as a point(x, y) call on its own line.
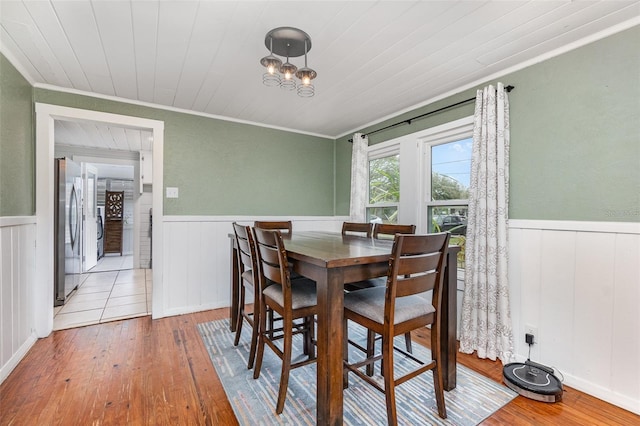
point(17, 153)
point(575, 134)
point(228, 168)
point(575, 123)
point(575, 146)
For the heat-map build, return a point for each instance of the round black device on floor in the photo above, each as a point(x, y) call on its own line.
point(532, 380)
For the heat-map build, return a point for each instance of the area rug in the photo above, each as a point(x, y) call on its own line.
point(474, 398)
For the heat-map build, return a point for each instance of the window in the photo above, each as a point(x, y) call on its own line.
point(384, 184)
point(447, 173)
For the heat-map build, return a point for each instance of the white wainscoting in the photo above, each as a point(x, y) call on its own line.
point(17, 271)
point(197, 266)
point(578, 284)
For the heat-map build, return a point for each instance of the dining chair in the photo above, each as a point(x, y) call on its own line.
point(248, 280)
point(284, 226)
point(388, 230)
point(416, 266)
point(383, 231)
point(292, 299)
point(357, 228)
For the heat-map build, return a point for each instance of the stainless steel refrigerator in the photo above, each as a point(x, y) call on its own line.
point(68, 229)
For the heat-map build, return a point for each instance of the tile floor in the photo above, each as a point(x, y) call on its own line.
point(106, 295)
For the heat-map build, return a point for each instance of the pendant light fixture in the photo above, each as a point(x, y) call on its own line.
point(288, 71)
point(272, 64)
point(288, 42)
point(305, 75)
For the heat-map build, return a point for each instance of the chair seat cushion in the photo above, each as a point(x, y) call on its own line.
point(303, 293)
point(369, 303)
point(248, 276)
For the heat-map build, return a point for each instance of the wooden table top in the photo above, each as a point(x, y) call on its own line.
point(332, 249)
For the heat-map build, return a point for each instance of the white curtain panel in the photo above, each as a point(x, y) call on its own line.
point(486, 317)
point(359, 173)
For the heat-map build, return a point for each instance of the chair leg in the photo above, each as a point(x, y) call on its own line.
point(306, 345)
point(371, 344)
point(345, 352)
point(254, 334)
point(261, 336)
point(438, 386)
point(389, 383)
point(270, 315)
point(439, 391)
point(286, 366)
point(407, 342)
point(310, 337)
point(240, 318)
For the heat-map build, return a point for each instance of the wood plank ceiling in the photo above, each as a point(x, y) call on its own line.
point(373, 58)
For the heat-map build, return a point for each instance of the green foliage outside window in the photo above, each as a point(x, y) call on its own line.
point(384, 187)
point(444, 187)
point(384, 180)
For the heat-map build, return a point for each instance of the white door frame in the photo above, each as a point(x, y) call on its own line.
point(45, 116)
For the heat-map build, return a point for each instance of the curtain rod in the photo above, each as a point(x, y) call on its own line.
point(408, 121)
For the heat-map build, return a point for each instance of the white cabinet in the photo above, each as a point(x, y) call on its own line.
point(146, 168)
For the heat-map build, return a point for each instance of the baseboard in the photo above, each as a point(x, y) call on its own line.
point(17, 357)
point(191, 309)
point(594, 390)
point(602, 393)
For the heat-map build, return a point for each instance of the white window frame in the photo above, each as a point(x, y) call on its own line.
point(381, 150)
point(445, 133)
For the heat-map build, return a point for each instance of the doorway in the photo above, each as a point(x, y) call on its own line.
point(45, 117)
point(111, 285)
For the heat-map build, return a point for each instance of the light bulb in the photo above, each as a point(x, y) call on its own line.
point(287, 75)
point(271, 69)
point(306, 80)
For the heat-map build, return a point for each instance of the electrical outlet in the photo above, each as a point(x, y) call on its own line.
point(529, 329)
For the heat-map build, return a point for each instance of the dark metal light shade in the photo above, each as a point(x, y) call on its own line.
point(271, 63)
point(288, 70)
point(306, 75)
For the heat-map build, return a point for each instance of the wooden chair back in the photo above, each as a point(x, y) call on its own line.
point(380, 230)
point(248, 278)
point(284, 226)
point(416, 265)
point(357, 228)
point(272, 261)
point(247, 260)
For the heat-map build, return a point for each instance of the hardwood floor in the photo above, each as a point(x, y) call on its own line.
point(144, 372)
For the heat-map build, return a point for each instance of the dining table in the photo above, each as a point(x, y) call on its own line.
point(333, 260)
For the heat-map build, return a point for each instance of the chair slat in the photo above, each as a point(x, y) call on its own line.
point(285, 226)
point(357, 228)
point(416, 284)
point(391, 229)
point(418, 263)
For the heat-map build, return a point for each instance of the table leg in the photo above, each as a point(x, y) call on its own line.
point(235, 286)
point(329, 338)
point(449, 344)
